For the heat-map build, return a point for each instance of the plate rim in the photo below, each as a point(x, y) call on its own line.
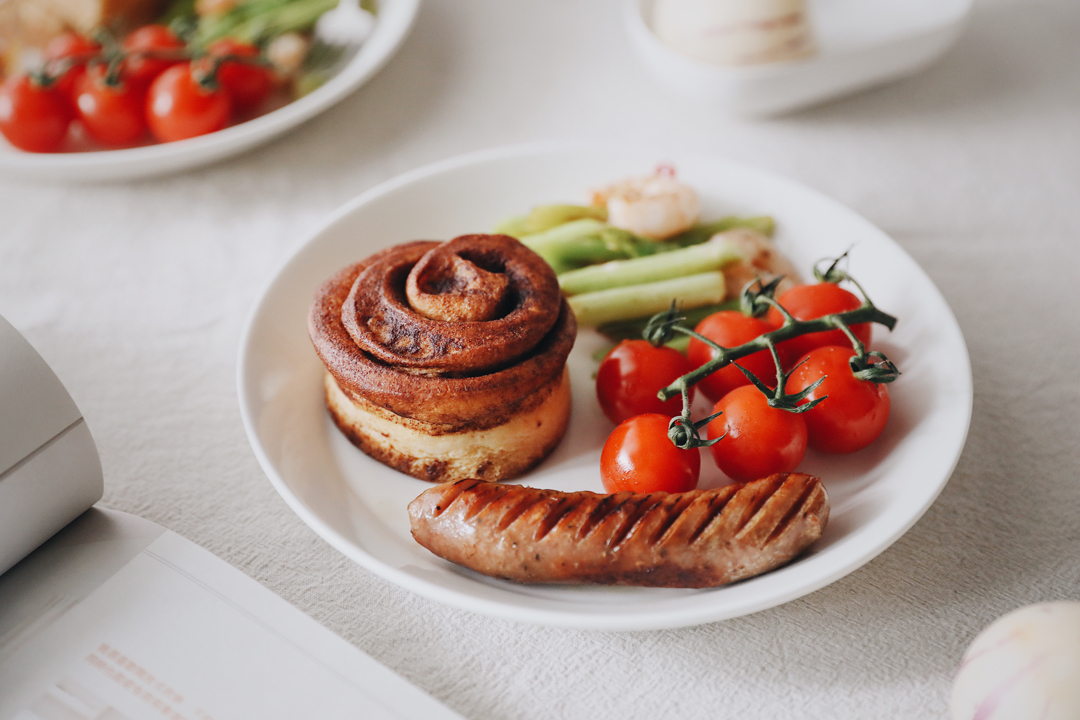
point(634, 621)
point(163, 158)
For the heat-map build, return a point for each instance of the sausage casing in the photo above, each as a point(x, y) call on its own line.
point(695, 539)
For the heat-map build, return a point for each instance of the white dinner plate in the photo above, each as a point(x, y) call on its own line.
point(394, 19)
point(359, 506)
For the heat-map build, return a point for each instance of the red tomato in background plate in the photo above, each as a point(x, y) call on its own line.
point(630, 376)
point(140, 67)
point(248, 84)
point(760, 440)
point(114, 115)
point(33, 117)
point(638, 456)
point(853, 413)
point(75, 48)
point(179, 107)
point(730, 328)
point(809, 302)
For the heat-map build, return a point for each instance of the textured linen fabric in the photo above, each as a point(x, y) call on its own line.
point(136, 294)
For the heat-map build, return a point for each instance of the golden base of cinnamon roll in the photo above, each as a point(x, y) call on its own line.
point(442, 453)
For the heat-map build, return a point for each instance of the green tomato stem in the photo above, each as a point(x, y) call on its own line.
point(790, 329)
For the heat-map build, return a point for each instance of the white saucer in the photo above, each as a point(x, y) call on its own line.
point(861, 43)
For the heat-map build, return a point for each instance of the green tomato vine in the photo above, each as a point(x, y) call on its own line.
point(756, 300)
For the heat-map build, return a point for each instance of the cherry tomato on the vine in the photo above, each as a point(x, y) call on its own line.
point(33, 117)
point(141, 67)
point(854, 411)
point(638, 456)
point(76, 50)
point(809, 302)
point(760, 441)
point(630, 376)
point(730, 328)
point(248, 83)
point(178, 106)
point(112, 112)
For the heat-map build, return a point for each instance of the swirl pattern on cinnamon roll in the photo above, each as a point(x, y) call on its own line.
point(447, 359)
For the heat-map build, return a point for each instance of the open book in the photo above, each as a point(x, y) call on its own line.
point(116, 618)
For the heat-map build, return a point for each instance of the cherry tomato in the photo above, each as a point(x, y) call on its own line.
point(630, 376)
point(141, 67)
point(248, 84)
point(113, 114)
point(809, 302)
point(638, 456)
point(178, 106)
point(76, 48)
point(760, 440)
point(33, 117)
point(730, 328)
point(854, 411)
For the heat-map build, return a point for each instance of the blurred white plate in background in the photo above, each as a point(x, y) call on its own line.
point(395, 18)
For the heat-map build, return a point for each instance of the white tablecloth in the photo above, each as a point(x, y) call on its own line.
point(136, 294)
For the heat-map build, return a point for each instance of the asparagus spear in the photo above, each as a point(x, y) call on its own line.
point(604, 306)
point(546, 217)
point(632, 328)
point(700, 233)
point(586, 242)
point(676, 263)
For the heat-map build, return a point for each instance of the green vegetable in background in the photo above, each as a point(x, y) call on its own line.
point(258, 20)
point(253, 21)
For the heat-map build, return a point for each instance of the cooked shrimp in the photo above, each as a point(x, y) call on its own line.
point(655, 207)
point(761, 260)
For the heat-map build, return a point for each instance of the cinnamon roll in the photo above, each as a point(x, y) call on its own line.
point(447, 360)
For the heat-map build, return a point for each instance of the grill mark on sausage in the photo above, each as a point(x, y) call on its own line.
point(716, 506)
point(644, 506)
point(452, 493)
point(679, 503)
point(515, 511)
point(489, 495)
point(505, 502)
point(806, 493)
point(596, 516)
point(617, 510)
point(753, 505)
point(563, 507)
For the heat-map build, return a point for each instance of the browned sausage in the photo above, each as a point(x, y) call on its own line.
point(701, 538)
